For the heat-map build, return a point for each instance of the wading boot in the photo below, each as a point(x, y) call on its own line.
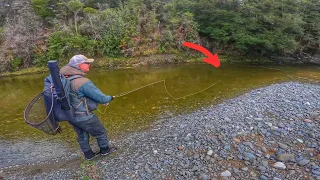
point(90, 155)
point(108, 150)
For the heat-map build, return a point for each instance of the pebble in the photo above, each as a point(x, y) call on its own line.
point(299, 140)
point(264, 131)
point(247, 144)
point(204, 177)
point(265, 163)
point(281, 125)
point(237, 140)
point(316, 172)
point(303, 162)
point(195, 168)
point(187, 138)
point(227, 147)
point(291, 172)
point(315, 166)
point(226, 173)
point(180, 148)
point(275, 178)
point(235, 170)
point(252, 173)
point(263, 177)
point(74, 155)
point(249, 156)
point(279, 165)
point(283, 146)
point(263, 149)
point(244, 169)
point(210, 152)
point(262, 169)
point(308, 121)
point(285, 157)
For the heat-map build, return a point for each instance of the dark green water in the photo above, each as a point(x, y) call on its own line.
point(138, 109)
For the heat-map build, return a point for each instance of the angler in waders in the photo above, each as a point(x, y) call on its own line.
point(84, 99)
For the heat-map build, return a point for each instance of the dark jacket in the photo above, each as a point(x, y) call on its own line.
point(85, 89)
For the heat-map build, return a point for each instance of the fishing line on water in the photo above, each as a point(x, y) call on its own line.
point(164, 83)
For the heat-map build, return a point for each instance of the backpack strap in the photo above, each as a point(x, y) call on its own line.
point(75, 86)
point(71, 78)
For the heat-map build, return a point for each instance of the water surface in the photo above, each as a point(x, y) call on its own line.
point(136, 110)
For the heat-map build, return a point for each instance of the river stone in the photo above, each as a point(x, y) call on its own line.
point(315, 166)
point(285, 157)
point(210, 152)
point(291, 172)
point(264, 131)
point(317, 173)
point(279, 165)
point(263, 149)
point(283, 146)
point(204, 177)
point(299, 140)
point(235, 170)
point(265, 163)
point(226, 173)
point(262, 169)
point(249, 156)
point(263, 177)
point(195, 168)
point(244, 169)
point(247, 144)
point(303, 162)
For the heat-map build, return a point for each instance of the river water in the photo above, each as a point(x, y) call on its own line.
point(136, 110)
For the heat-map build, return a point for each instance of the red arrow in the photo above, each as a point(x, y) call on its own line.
point(211, 59)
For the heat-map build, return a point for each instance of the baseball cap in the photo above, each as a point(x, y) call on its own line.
point(78, 59)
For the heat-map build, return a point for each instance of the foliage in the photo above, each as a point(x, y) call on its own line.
point(21, 35)
point(111, 28)
point(41, 8)
point(62, 45)
point(16, 63)
point(75, 6)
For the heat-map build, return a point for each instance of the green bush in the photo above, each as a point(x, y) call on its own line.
point(16, 63)
point(62, 45)
point(41, 8)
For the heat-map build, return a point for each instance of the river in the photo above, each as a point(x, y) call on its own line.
point(136, 110)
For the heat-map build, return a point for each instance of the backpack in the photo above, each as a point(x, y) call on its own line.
point(51, 95)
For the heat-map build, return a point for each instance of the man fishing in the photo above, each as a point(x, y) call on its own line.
point(84, 98)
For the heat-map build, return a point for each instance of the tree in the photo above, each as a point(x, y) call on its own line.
point(21, 33)
point(89, 12)
point(41, 7)
point(75, 6)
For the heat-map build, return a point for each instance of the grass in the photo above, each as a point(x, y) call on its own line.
point(31, 70)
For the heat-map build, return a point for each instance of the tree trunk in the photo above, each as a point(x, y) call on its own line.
point(75, 21)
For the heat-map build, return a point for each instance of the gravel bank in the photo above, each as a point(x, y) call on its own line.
point(267, 133)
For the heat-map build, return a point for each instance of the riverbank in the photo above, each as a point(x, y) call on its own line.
point(267, 133)
point(149, 61)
